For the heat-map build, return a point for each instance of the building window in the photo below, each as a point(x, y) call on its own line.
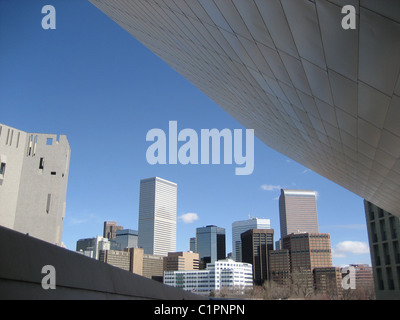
point(41, 163)
point(49, 141)
point(48, 204)
point(2, 168)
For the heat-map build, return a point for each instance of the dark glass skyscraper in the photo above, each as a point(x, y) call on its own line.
point(256, 245)
point(210, 244)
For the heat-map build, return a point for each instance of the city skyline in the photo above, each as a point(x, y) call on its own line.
point(105, 91)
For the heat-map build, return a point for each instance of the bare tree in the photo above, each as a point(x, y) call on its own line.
point(273, 290)
point(302, 283)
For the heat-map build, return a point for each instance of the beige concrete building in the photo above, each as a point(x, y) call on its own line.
point(176, 261)
point(153, 266)
point(34, 171)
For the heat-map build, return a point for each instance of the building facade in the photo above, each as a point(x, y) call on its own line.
point(364, 276)
point(176, 261)
point(298, 211)
point(322, 96)
point(116, 258)
point(256, 246)
point(384, 243)
point(127, 238)
point(91, 247)
point(308, 250)
point(279, 266)
point(210, 243)
point(302, 253)
point(157, 216)
point(34, 171)
point(238, 227)
point(222, 274)
point(328, 282)
point(110, 229)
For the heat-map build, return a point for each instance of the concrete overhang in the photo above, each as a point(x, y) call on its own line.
point(327, 97)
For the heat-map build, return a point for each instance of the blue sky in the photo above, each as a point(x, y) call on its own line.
point(92, 81)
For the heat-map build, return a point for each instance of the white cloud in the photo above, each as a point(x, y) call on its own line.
point(269, 187)
point(189, 217)
point(349, 247)
point(77, 221)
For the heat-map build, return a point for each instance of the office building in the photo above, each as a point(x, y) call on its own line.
point(153, 266)
point(157, 216)
point(110, 229)
point(328, 282)
point(298, 211)
point(364, 276)
point(130, 259)
point(196, 281)
point(256, 246)
point(323, 96)
point(210, 242)
point(91, 247)
point(384, 243)
point(279, 266)
point(308, 250)
point(192, 244)
point(127, 238)
point(176, 261)
point(116, 258)
point(136, 260)
point(223, 274)
point(34, 171)
point(238, 227)
point(301, 254)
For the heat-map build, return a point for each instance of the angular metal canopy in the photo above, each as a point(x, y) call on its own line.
point(326, 97)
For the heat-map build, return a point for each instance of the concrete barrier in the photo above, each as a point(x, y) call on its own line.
point(76, 276)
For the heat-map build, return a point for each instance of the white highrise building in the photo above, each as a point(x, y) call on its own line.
point(34, 171)
point(238, 227)
point(157, 216)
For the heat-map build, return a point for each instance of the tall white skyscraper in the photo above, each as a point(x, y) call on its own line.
point(238, 227)
point(157, 216)
point(298, 211)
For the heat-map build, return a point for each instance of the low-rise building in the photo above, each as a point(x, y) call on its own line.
point(221, 274)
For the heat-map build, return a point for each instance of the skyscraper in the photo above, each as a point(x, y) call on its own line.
point(307, 251)
point(34, 171)
point(298, 211)
point(238, 227)
point(110, 229)
point(256, 246)
point(157, 216)
point(210, 244)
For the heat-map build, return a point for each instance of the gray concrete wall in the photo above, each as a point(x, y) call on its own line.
point(33, 197)
point(22, 258)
